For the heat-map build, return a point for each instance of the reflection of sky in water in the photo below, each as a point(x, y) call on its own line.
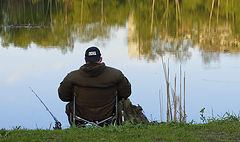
point(214, 86)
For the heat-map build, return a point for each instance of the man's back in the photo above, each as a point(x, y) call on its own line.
point(95, 86)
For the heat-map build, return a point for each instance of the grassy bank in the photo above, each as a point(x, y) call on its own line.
point(214, 130)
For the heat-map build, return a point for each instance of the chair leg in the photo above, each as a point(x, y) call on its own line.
point(74, 109)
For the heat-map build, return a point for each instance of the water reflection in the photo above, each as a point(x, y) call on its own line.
point(154, 27)
point(52, 36)
point(37, 21)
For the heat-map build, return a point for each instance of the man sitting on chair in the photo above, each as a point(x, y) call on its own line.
point(95, 87)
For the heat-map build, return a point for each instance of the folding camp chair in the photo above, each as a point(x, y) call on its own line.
point(113, 118)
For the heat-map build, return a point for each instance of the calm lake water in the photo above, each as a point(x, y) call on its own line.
point(43, 40)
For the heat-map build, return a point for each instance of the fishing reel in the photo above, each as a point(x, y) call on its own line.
point(58, 126)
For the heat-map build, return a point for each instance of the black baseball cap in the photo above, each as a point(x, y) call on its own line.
point(92, 54)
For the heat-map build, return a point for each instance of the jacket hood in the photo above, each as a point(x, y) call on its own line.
point(93, 69)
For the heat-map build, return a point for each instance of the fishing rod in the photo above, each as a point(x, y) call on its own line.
point(57, 123)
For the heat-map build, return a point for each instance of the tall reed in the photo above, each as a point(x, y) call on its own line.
point(175, 100)
point(184, 109)
point(169, 108)
point(161, 105)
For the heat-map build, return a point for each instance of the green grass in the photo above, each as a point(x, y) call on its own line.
point(225, 129)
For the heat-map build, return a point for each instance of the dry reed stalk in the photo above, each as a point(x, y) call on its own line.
point(168, 93)
point(166, 73)
point(180, 101)
point(160, 102)
point(168, 102)
point(184, 83)
point(168, 111)
point(162, 107)
point(174, 104)
point(179, 109)
point(175, 99)
point(175, 108)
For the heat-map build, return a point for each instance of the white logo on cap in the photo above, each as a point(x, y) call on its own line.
point(93, 53)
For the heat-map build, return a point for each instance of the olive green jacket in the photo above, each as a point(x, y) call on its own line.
point(95, 87)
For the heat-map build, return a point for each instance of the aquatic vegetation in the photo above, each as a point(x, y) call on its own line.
point(176, 105)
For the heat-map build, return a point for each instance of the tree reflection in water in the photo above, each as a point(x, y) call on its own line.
point(155, 28)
